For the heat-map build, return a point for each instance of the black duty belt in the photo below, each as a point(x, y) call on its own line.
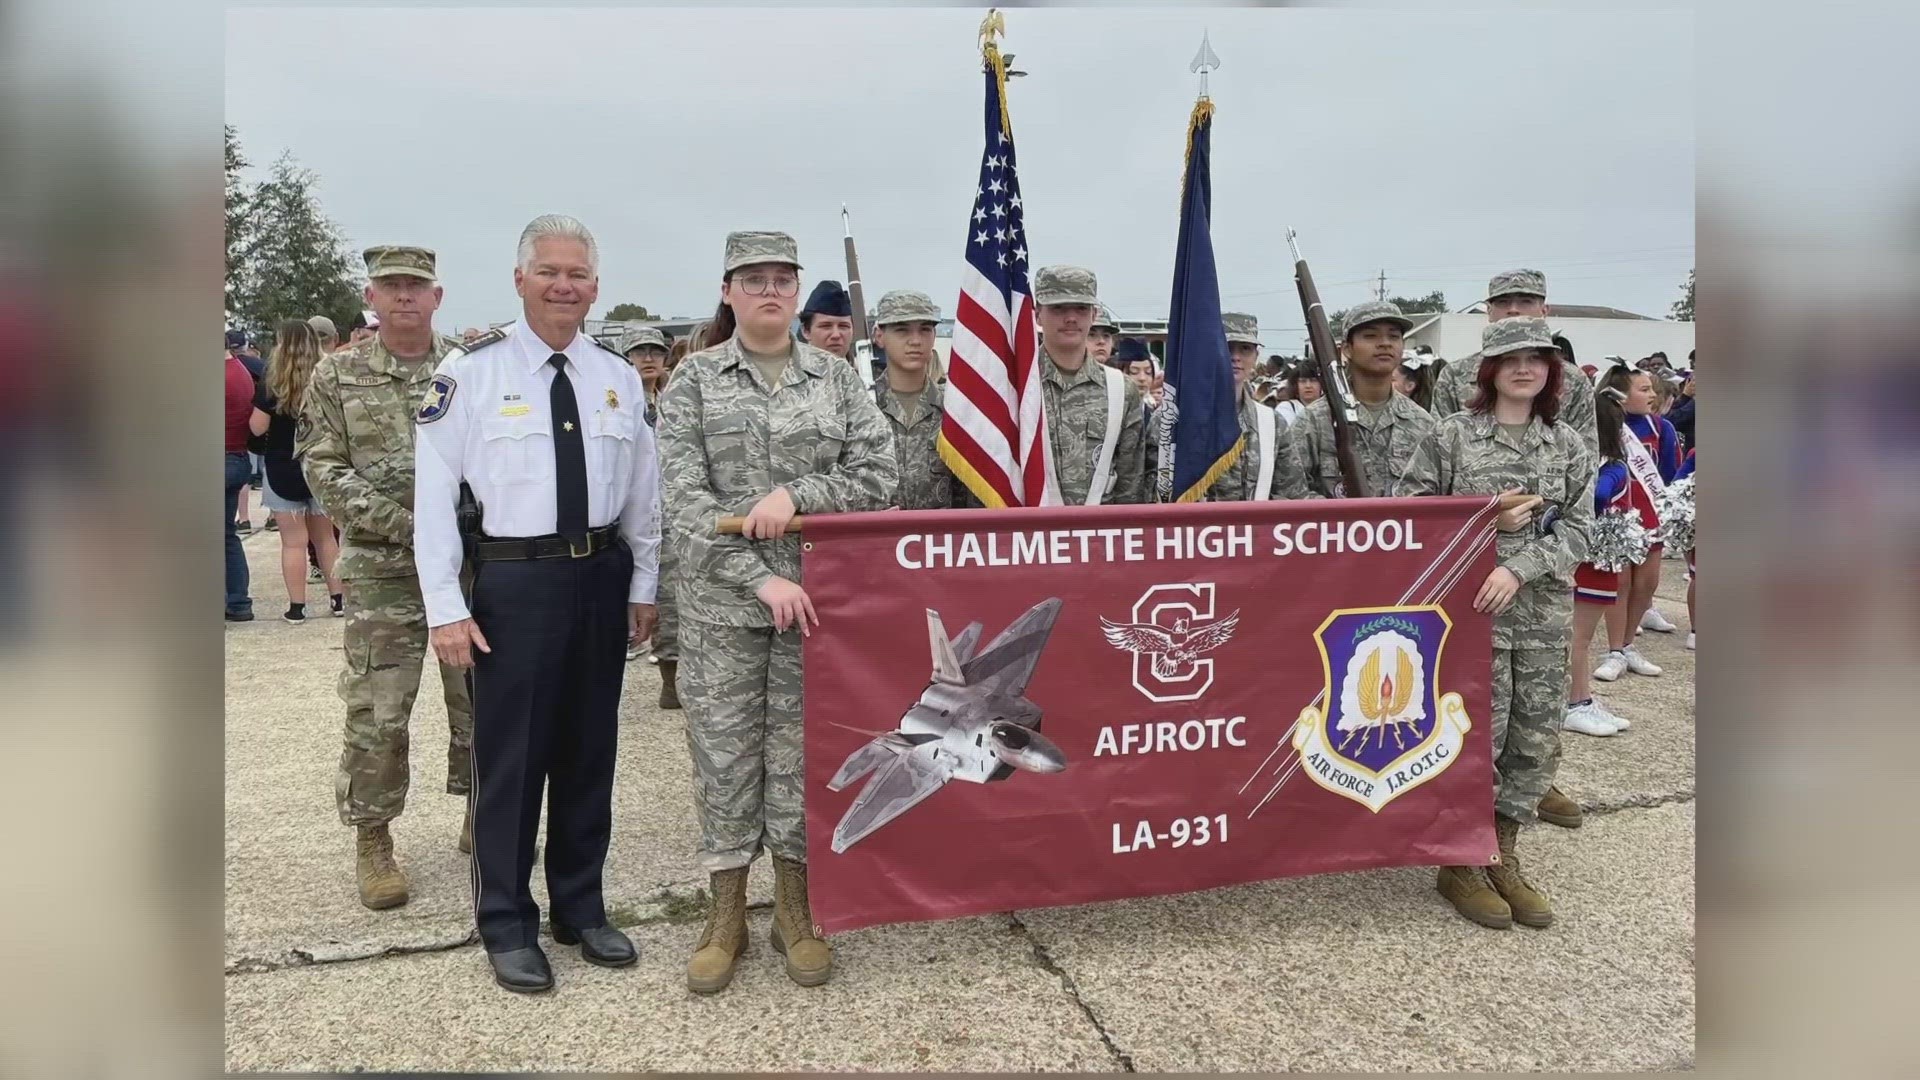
point(554, 546)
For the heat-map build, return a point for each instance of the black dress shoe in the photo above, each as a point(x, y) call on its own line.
point(523, 971)
point(601, 944)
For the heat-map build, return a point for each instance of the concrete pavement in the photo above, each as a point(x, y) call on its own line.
point(1356, 971)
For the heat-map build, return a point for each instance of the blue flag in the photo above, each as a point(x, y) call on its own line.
point(1198, 423)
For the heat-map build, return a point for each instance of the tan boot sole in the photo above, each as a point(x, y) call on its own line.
point(1565, 821)
point(803, 976)
point(382, 903)
point(715, 984)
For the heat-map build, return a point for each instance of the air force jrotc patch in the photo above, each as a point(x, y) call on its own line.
point(1386, 727)
point(438, 397)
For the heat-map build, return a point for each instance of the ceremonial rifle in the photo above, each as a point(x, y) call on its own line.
point(1333, 383)
point(862, 344)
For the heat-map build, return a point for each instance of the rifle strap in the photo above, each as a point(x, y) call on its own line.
point(1116, 405)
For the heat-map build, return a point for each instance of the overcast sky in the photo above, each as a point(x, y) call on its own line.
point(1441, 148)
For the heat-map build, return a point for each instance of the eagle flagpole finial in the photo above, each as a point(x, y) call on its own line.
point(991, 27)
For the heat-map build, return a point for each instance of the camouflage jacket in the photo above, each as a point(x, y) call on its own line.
point(1238, 482)
point(1469, 454)
point(925, 481)
point(354, 442)
point(1454, 388)
point(727, 439)
point(1383, 450)
point(1076, 404)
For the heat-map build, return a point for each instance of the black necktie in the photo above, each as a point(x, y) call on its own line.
point(569, 457)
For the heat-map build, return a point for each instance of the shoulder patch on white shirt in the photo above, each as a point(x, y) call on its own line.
point(438, 397)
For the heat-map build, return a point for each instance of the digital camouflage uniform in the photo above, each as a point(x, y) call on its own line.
point(1469, 454)
point(1455, 386)
point(1237, 484)
point(1383, 441)
point(1076, 408)
point(666, 628)
point(355, 445)
point(925, 481)
point(729, 439)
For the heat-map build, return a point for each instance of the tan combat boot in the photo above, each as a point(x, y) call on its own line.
point(669, 690)
point(1465, 887)
point(809, 960)
point(711, 968)
point(1529, 906)
point(382, 883)
point(1556, 809)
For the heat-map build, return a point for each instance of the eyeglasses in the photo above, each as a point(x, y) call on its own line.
point(761, 284)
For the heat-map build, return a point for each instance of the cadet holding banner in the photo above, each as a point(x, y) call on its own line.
point(768, 426)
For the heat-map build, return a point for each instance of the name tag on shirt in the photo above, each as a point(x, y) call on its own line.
point(515, 410)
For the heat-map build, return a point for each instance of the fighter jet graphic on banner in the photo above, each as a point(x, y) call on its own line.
point(972, 722)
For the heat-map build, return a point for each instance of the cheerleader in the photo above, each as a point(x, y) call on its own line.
point(1595, 590)
point(1652, 455)
point(1685, 472)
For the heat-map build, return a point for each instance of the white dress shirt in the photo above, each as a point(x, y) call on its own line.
point(494, 429)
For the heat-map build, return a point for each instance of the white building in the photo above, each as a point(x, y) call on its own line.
point(1593, 332)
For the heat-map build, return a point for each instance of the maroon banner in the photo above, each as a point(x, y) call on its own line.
point(1021, 708)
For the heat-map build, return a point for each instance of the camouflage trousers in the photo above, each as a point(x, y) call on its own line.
point(1529, 702)
point(386, 646)
point(740, 687)
point(666, 632)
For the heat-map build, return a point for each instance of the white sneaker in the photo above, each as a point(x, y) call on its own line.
point(1638, 664)
point(1588, 720)
point(1689, 641)
point(633, 653)
point(1619, 722)
point(1656, 622)
point(1614, 666)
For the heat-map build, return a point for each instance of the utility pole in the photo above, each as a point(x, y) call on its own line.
point(1380, 293)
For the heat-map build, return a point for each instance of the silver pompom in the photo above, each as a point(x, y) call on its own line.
point(1675, 507)
point(1619, 541)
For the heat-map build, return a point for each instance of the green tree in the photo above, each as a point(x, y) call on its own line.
point(1683, 307)
point(1434, 303)
point(629, 313)
point(239, 212)
point(294, 262)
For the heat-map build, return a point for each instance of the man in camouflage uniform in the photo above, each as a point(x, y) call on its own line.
point(1390, 425)
point(762, 425)
point(1513, 294)
point(1523, 293)
point(1077, 396)
point(912, 402)
point(646, 348)
point(1262, 440)
point(355, 444)
point(1485, 454)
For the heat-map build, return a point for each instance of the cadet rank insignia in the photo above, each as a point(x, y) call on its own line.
point(434, 405)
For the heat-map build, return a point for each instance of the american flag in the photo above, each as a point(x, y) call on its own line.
point(994, 433)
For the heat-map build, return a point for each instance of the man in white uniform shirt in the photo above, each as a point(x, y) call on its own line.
point(548, 429)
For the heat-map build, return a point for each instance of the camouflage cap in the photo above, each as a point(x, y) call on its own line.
point(646, 335)
point(386, 259)
point(905, 305)
point(1527, 282)
point(1512, 335)
point(747, 248)
point(1065, 285)
point(1240, 327)
point(323, 325)
point(1105, 320)
point(1360, 315)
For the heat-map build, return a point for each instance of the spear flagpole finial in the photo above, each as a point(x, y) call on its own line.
point(1204, 61)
